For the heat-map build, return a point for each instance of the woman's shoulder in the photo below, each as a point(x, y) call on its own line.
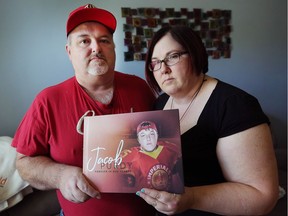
point(227, 92)
point(234, 109)
point(229, 89)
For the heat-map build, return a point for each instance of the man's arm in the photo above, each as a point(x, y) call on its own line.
point(45, 174)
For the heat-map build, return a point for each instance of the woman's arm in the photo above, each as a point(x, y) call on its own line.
point(248, 162)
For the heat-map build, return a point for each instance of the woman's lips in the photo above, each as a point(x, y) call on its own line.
point(167, 80)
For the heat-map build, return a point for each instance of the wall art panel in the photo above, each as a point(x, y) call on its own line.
point(213, 26)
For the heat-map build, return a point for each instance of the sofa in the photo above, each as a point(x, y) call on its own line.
point(17, 197)
point(37, 203)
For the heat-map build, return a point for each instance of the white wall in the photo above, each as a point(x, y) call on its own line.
point(33, 53)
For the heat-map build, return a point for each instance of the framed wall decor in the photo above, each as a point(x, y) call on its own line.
point(213, 26)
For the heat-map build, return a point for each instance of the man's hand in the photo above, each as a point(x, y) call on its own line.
point(45, 174)
point(75, 187)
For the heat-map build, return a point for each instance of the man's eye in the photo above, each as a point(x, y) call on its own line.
point(84, 41)
point(106, 41)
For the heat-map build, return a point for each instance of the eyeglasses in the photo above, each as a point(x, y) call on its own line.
point(170, 60)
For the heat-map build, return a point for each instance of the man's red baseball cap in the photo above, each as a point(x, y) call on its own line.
point(88, 13)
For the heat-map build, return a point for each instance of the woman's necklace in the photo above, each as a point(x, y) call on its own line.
point(192, 99)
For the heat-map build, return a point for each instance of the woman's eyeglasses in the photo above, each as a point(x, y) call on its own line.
point(170, 60)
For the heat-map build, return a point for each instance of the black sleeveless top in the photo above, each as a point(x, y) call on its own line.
point(229, 110)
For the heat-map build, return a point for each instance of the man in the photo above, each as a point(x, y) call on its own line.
point(154, 164)
point(49, 141)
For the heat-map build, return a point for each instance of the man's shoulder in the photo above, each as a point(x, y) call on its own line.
point(134, 86)
point(55, 91)
point(128, 77)
point(62, 85)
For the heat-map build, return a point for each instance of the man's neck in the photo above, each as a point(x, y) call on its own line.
point(102, 96)
point(99, 88)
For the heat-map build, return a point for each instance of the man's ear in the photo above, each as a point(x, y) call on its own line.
point(68, 50)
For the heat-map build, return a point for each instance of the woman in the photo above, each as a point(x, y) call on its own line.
point(228, 158)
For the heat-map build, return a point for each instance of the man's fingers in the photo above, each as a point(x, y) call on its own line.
point(88, 189)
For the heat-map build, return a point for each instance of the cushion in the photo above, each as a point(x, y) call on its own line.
point(12, 187)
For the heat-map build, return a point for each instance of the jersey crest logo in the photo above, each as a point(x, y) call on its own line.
point(159, 177)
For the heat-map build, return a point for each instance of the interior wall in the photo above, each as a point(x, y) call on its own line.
point(33, 53)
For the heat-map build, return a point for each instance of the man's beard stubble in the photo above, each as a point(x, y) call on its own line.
point(97, 68)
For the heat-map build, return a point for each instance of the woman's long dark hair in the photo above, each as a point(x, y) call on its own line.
point(189, 40)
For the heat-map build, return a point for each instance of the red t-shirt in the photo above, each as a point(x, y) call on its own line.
point(49, 128)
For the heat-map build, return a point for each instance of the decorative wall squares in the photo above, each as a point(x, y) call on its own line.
point(213, 27)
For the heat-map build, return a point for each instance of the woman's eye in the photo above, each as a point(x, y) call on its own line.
point(173, 56)
point(153, 63)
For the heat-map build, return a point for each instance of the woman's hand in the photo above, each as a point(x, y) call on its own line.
point(167, 203)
